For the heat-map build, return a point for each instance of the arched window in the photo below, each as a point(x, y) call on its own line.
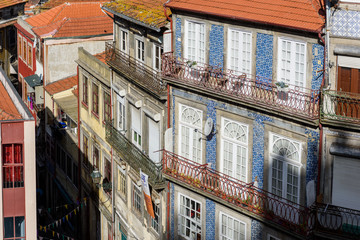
point(190, 137)
point(285, 168)
point(234, 149)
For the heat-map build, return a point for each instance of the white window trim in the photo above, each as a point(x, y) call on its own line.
point(292, 78)
point(154, 56)
point(120, 100)
point(234, 142)
point(286, 162)
point(133, 197)
point(121, 30)
point(179, 215)
point(105, 156)
point(19, 49)
point(136, 39)
point(139, 132)
point(192, 128)
point(229, 216)
point(186, 54)
point(241, 50)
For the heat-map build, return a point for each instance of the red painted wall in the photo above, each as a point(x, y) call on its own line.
point(13, 198)
point(23, 69)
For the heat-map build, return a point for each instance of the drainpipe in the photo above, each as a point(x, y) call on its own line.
point(168, 126)
point(320, 125)
point(79, 152)
point(327, 44)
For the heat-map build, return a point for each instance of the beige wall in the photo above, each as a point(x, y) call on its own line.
point(30, 179)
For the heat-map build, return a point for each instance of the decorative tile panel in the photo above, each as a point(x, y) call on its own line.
point(264, 56)
point(256, 230)
point(210, 220)
point(216, 53)
point(317, 66)
point(178, 37)
point(312, 155)
point(345, 23)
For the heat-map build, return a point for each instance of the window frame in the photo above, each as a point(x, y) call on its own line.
point(14, 237)
point(180, 215)
point(107, 107)
point(124, 43)
point(157, 49)
point(139, 39)
point(96, 159)
point(221, 235)
point(292, 74)
point(121, 181)
point(95, 99)
point(239, 69)
point(285, 162)
point(24, 50)
point(199, 57)
point(235, 144)
point(85, 89)
point(193, 135)
point(14, 167)
point(20, 45)
point(121, 114)
point(85, 156)
point(136, 198)
point(30, 56)
point(136, 134)
point(156, 224)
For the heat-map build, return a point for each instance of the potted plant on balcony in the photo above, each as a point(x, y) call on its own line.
point(282, 90)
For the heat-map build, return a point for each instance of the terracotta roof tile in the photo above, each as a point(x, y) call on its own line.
point(72, 19)
point(8, 111)
point(8, 3)
point(295, 14)
point(61, 85)
point(150, 12)
point(54, 3)
point(101, 57)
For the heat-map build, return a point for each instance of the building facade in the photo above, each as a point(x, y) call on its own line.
point(245, 107)
point(18, 189)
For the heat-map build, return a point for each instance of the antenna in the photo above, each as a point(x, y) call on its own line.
point(208, 129)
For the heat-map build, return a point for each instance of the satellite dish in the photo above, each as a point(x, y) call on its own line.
point(209, 124)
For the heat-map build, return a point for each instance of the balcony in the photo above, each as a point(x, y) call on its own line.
point(255, 92)
point(340, 107)
point(134, 156)
point(298, 220)
point(135, 71)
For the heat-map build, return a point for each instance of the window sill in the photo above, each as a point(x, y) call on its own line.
point(84, 105)
point(95, 115)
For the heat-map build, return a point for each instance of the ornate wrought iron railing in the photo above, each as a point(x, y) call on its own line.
point(281, 212)
point(337, 221)
point(134, 70)
point(343, 106)
point(300, 220)
point(258, 91)
point(134, 156)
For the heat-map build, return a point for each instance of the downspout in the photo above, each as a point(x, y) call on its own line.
point(168, 126)
point(320, 125)
point(79, 152)
point(112, 168)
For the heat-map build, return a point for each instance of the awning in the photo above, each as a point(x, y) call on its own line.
point(33, 80)
point(69, 105)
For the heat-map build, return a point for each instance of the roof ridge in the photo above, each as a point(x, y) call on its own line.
point(63, 7)
point(63, 22)
point(317, 8)
point(12, 115)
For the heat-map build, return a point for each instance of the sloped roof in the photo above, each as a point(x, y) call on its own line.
point(294, 14)
point(101, 56)
point(54, 3)
point(72, 20)
point(61, 85)
point(8, 110)
point(8, 3)
point(150, 12)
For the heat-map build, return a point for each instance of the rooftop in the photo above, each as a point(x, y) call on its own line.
point(294, 14)
point(54, 3)
point(150, 12)
point(101, 57)
point(61, 85)
point(72, 20)
point(8, 3)
point(8, 110)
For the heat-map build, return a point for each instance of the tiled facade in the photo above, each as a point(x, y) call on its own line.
point(345, 23)
point(178, 37)
point(317, 66)
point(256, 230)
point(210, 220)
point(258, 147)
point(216, 46)
point(264, 55)
point(211, 140)
point(312, 154)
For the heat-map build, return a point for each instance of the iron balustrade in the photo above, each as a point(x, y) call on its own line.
point(134, 156)
point(272, 208)
point(343, 106)
point(258, 91)
point(338, 221)
point(135, 70)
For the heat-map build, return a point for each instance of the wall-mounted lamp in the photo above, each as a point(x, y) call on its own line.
point(96, 178)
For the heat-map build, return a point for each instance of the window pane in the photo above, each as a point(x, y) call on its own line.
point(8, 227)
point(19, 227)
